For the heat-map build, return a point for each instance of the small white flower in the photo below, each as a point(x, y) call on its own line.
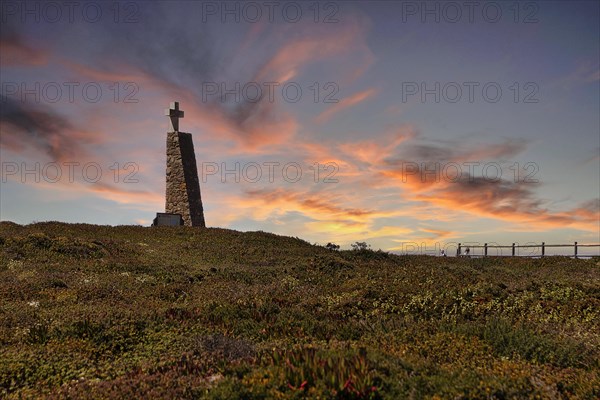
point(15, 264)
point(144, 278)
point(215, 378)
point(34, 303)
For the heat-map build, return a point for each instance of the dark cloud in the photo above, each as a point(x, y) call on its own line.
point(47, 131)
point(497, 195)
point(428, 153)
point(459, 151)
point(421, 169)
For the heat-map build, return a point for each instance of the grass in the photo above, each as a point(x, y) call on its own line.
point(131, 312)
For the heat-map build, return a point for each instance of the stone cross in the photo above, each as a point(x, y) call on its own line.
point(174, 113)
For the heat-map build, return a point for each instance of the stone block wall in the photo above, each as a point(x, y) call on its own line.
point(183, 187)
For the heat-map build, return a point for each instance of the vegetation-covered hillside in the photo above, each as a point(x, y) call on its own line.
point(131, 312)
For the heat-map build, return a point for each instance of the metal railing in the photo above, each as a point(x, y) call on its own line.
point(514, 247)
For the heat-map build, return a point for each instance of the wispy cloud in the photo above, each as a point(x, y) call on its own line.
point(14, 49)
point(16, 53)
point(345, 103)
point(584, 72)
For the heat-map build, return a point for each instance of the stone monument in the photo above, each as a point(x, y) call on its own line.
point(183, 187)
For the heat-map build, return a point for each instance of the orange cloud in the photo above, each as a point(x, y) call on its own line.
point(322, 215)
point(259, 131)
point(254, 127)
point(504, 200)
point(149, 200)
point(438, 234)
point(477, 196)
point(312, 205)
point(375, 151)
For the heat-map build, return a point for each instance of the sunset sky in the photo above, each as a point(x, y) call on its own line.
point(480, 126)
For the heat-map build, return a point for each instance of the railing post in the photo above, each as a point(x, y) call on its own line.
point(485, 249)
point(458, 250)
point(575, 249)
point(543, 249)
point(513, 250)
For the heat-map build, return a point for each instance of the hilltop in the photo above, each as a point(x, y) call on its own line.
point(135, 312)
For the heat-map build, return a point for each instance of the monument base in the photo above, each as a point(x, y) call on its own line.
point(164, 219)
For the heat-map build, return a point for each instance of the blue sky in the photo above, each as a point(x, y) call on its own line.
point(376, 137)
